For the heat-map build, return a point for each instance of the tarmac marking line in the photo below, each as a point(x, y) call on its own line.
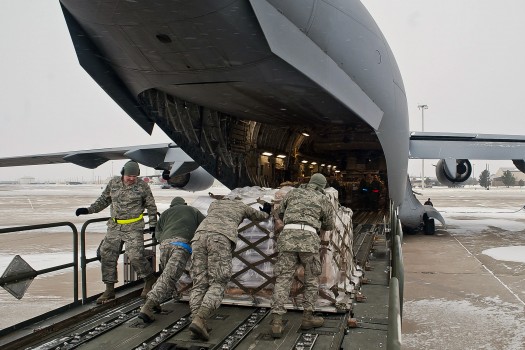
point(489, 271)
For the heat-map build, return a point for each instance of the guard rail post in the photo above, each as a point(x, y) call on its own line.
point(394, 317)
point(83, 260)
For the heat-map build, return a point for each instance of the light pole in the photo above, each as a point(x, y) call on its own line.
point(422, 108)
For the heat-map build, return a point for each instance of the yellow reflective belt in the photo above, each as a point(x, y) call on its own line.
point(128, 221)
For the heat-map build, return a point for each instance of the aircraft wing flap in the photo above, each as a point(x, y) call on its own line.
point(180, 168)
point(33, 160)
point(153, 158)
point(86, 160)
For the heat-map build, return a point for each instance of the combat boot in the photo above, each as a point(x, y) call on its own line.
point(149, 281)
point(109, 294)
point(146, 312)
point(277, 326)
point(195, 336)
point(199, 328)
point(310, 321)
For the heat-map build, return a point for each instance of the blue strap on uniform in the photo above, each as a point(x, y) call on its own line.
point(183, 245)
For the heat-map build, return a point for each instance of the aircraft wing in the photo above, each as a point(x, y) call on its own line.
point(434, 145)
point(454, 151)
point(150, 155)
point(179, 169)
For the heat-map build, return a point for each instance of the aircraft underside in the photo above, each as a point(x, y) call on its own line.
point(257, 93)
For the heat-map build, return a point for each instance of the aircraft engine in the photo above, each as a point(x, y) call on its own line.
point(463, 172)
point(520, 164)
point(197, 180)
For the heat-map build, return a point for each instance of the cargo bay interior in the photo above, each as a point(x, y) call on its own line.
point(240, 152)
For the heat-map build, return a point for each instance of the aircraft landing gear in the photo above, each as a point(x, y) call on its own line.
point(429, 227)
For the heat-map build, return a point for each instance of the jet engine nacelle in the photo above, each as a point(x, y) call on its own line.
point(196, 180)
point(520, 164)
point(447, 176)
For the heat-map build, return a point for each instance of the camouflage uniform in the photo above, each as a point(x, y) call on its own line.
point(127, 202)
point(175, 230)
point(212, 247)
point(309, 206)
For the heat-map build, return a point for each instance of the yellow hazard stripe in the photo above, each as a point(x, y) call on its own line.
point(128, 221)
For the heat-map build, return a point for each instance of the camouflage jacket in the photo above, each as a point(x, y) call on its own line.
point(306, 205)
point(178, 221)
point(224, 217)
point(126, 202)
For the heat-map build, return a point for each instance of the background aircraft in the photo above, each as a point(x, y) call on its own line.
point(179, 170)
point(455, 150)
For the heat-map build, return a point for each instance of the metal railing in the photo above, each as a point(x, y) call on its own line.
point(84, 260)
point(394, 316)
point(396, 285)
point(19, 277)
point(29, 275)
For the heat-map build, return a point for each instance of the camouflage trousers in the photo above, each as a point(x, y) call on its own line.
point(211, 269)
point(284, 270)
point(173, 261)
point(109, 253)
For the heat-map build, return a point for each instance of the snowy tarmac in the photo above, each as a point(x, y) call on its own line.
point(464, 286)
point(22, 205)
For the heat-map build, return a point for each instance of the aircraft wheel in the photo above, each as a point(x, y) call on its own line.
point(408, 231)
point(429, 228)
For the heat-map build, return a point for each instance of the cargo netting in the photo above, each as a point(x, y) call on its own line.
point(252, 278)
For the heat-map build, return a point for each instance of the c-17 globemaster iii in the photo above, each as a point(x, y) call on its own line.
point(260, 93)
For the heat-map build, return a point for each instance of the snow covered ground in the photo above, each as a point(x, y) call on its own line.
point(22, 205)
point(465, 286)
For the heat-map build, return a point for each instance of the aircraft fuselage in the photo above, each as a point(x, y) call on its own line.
point(228, 80)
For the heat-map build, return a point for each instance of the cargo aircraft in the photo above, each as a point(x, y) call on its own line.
point(258, 92)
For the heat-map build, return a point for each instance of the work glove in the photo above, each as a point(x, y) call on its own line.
point(81, 211)
point(267, 208)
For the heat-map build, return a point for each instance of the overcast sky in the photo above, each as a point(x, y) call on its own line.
point(49, 103)
point(463, 58)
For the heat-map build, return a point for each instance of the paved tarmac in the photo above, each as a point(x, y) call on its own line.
point(456, 296)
